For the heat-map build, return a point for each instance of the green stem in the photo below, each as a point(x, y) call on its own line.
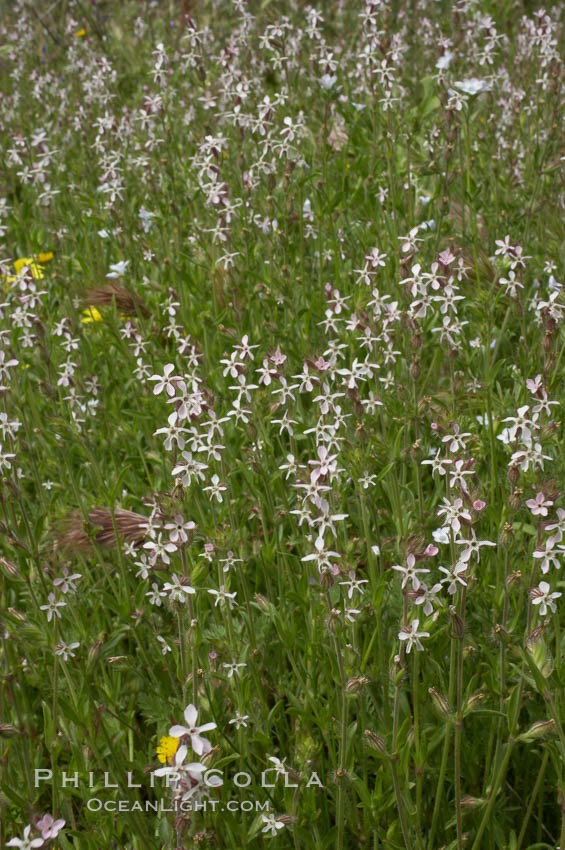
point(445, 752)
point(418, 757)
point(400, 801)
point(493, 792)
point(459, 727)
point(532, 801)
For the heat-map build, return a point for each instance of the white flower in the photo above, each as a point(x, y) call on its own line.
point(118, 269)
point(412, 636)
point(216, 488)
point(155, 595)
point(328, 81)
point(233, 668)
point(473, 86)
point(548, 556)
point(189, 468)
point(52, 608)
point(177, 589)
point(444, 61)
point(272, 825)
point(178, 770)
point(222, 596)
point(65, 650)
point(427, 596)
point(164, 645)
point(541, 596)
point(409, 573)
point(354, 584)
point(280, 767)
point(160, 549)
point(25, 843)
point(165, 381)
point(146, 216)
point(199, 744)
point(454, 575)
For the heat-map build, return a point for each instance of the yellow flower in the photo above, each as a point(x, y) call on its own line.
point(34, 264)
point(166, 749)
point(80, 33)
point(92, 314)
point(34, 267)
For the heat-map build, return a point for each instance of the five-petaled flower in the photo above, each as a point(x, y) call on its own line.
point(200, 745)
point(412, 636)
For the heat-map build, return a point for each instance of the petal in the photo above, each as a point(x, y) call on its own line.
point(162, 771)
point(180, 754)
point(191, 715)
point(178, 731)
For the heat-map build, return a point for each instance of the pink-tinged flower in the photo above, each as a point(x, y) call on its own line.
point(409, 573)
point(431, 550)
point(534, 384)
point(49, 827)
point(199, 744)
point(178, 529)
point(478, 505)
point(539, 505)
point(321, 364)
point(160, 549)
point(278, 358)
point(165, 381)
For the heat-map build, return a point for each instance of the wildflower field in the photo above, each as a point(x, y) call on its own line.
point(281, 447)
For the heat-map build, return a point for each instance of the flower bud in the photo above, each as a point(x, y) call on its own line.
point(332, 619)
point(473, 702)
point(472, 802)
point(537, 649)
point(10, 569)
point(262, 602)
point(547, 341)
point(375, 742)
point(457, 626)
point(8, 731)
point(513, 473)
point(516, 498)
point(355, 684)
point(538, 730)
point(94, 652)
point(441, 704)
point(506, 535)
point(513, 578)
point(397, 671)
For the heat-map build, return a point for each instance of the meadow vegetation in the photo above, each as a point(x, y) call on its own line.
point(281, 442)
